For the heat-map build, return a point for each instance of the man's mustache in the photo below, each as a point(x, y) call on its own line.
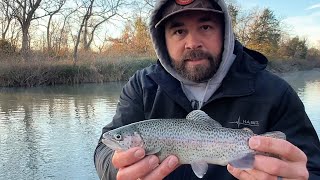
point(196, 54)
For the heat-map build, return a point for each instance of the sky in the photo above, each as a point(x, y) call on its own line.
point(301, 17)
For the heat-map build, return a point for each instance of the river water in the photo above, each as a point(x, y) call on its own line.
point(51, 132)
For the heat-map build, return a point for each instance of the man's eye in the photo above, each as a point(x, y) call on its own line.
point(179, 32)
point(206, 27)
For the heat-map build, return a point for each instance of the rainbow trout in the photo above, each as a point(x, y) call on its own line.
point(196, 140)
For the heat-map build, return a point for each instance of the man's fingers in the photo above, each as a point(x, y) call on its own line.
point(256, 174)
point(292, 163)
point(239, 174)
point(250, 174)
point(133, 165)
point(122, 159)
point(139, 169)
point(164, 169)
point(279, 167)
point(280, 147)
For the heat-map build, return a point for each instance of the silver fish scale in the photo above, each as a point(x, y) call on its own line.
point(192, 141)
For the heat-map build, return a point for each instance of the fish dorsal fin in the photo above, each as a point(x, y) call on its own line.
point(198, 115)
point(199, 168)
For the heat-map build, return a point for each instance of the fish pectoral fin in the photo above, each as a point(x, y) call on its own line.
point(153, 151)
point(200, 168)
point(246, 162)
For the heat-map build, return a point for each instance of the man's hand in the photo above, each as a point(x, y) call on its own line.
point(291, 165)
point(133, 164)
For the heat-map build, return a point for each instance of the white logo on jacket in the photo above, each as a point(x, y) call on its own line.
point(245, 122)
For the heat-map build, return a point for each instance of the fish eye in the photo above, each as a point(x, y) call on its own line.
point(117, 137)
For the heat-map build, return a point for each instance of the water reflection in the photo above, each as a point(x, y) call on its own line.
point(51, 132)
point(307, 85)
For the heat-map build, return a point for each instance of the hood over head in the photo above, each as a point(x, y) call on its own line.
point(200, 92)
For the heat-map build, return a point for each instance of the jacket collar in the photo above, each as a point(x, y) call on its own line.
point(240, 80)
point(171, 86)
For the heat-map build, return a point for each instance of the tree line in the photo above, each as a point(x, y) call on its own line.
point(68, 24)
point(263, 31)
point(65, 29)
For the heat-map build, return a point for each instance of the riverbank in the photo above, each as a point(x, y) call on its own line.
point(46, 73)
point(283, 66)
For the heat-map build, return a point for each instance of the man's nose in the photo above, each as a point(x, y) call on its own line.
point(193, 41)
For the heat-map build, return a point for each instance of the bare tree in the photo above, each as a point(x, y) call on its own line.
point(63, 36)
point(24, 12)
point(14, 33)
point(143, 7)
point(243, 24)
point(51, 14)
point(5, 19)
point(150, 3)
point(59, 30)
point(96, 12)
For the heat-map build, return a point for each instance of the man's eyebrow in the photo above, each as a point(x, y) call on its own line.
point(206, 19)
point(175, 24)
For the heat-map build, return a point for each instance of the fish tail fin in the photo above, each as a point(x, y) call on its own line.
point(245, 162)
point(275, 134)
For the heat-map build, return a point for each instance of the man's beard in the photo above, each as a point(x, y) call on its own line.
point(200, 72)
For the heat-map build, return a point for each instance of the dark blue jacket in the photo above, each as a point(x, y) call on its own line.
point(249, 96)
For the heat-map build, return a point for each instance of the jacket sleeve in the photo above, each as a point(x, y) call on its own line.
point(291, 118)
point(129, 109)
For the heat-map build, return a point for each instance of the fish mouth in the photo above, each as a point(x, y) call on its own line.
point(114, 145)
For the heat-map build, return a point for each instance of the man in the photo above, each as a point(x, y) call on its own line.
point(201, 66)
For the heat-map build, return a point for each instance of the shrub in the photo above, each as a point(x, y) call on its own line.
point(6, 47)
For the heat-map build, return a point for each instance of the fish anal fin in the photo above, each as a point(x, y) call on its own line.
point(246, 162)
point(199, 168)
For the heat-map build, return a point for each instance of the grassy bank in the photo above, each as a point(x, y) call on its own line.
point(37, 73)
point(51, 72)
point(283, 66)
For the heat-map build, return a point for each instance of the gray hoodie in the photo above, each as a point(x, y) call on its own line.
point(197, 93)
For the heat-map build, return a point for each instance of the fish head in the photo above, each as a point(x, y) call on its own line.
point(122, 138)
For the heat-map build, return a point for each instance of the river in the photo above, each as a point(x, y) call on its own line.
point(51, 132)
